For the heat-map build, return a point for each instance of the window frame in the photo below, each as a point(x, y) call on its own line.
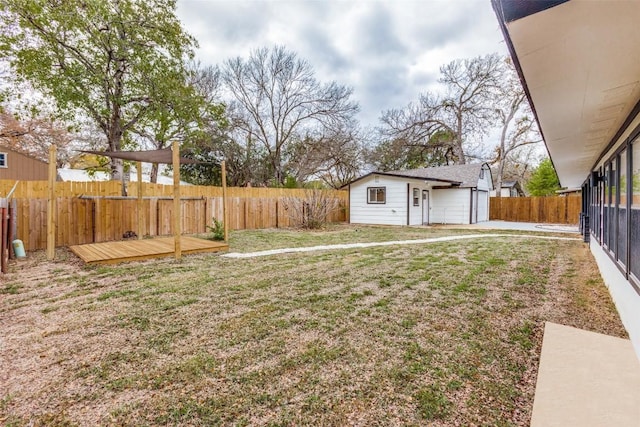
point(376, 202)
point(3, 160)
point(607, 198)
point(416, 196)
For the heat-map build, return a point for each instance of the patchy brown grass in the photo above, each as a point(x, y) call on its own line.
point(440, 334)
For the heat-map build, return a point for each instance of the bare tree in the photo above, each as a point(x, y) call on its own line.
point(278, 99)
point(335, 157)
point(518, 129)
point(463, 112)
point(34, 136)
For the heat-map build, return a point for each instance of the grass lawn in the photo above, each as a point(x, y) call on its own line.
point(440, 334)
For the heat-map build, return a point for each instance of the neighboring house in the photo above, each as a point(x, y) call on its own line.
point(509, 189)
point(21, 166)
point(578, 62)
point(441, 195)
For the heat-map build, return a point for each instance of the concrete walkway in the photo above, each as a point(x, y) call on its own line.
point(391, 243)
point(586, 379)
point(522, 226)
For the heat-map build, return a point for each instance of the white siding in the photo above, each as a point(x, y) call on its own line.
point(505, 192)
point(450, 206)
point(394, 211)
point(485, 183)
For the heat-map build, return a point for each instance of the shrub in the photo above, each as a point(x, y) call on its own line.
point(217, 229)
point(311, 211)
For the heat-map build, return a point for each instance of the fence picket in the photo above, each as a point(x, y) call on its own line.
point(554, 210)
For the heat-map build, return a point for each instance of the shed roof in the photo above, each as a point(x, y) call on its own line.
point(466, 175)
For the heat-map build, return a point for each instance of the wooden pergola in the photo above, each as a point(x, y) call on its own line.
point(164, 156)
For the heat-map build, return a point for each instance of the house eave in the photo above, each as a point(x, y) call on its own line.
point(576, 61)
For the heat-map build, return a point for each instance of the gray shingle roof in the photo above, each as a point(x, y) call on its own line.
point(467, 175)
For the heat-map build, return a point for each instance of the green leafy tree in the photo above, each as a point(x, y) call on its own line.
point(544, 180)
point(186, 113)
point(112, 60)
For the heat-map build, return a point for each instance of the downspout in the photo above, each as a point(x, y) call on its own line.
point(471, 205)
point(408, 197)
point(348, 212)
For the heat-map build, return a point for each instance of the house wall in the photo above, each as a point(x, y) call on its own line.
point(21, 167)
point(485, 182)
point(394, 211)
point(611, 229)
point(450, 205)
point(624, 296)
point(505, 192)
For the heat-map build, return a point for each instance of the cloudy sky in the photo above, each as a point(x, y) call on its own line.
point(388, 51)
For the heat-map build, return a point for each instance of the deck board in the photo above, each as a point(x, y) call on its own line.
point(136, 250)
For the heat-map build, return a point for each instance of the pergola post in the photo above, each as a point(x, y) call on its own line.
point(177, 220)
point(51, 205)
point(225, 220)
point(139, 202)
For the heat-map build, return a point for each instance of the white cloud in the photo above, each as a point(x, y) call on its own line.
point(388, 51)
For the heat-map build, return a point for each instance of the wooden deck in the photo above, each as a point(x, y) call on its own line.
point(137, 250)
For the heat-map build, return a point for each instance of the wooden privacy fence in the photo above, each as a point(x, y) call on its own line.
point(90, 218)
point(551, 210)
point(38, 190)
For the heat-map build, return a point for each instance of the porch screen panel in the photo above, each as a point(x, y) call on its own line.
point(622, 209)
point(634, 235)
point(612, 220)
point(605, 206)
point(596, 203)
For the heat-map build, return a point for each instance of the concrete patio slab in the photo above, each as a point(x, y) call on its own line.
point(521, 226)
point(586, 379)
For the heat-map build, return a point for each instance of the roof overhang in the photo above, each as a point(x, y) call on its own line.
point(397, 175)
point(578, 61)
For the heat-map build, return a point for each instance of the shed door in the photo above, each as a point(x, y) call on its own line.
point(425, 207)
point(483, 206)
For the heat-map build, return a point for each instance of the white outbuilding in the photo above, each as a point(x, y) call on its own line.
point(456, 194)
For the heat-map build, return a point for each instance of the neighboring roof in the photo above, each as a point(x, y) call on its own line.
point(18, 150)
point(466, 175)
point(149, 156)
point(569, 190)
point(577, 61)
point(81, 175)
point(513, 184)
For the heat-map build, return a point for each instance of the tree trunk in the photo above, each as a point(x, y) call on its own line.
point(499, 178)
point(154, 173)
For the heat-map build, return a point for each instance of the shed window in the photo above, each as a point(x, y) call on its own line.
point(3, 160)
point(416, 197)
point(377, 195)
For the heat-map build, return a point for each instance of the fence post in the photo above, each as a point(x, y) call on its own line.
point(177, 220)
point(225, 217)
point(51, 205)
